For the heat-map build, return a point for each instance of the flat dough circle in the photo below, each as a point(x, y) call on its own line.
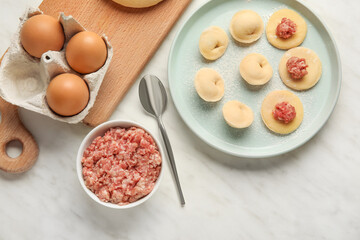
point(269, 104)
point(213, 43)
point(296, 39)
point(255, 69)
point(246, 26)
point(209, 85)
point(314, 69)
point(137, 3)
point(237, 114)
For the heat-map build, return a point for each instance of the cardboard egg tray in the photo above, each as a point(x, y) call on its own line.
point(24, 79)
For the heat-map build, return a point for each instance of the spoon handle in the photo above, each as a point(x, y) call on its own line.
point(171, 160)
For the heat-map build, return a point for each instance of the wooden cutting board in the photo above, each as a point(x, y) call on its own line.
point(135, 35)
point(12, 129)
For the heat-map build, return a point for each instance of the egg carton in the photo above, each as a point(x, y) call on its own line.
point(24, 79)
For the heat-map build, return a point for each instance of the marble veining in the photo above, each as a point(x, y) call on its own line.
point(311, 193)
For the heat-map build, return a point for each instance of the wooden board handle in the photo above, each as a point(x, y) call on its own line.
point(11, 128)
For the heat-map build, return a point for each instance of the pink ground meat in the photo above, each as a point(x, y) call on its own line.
point(284, 112)
point(122, 166)
point(296, 67)
point(286, 28)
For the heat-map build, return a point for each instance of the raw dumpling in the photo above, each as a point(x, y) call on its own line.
point(269, 106)
point(314, 69)
point(255, 69)
point(213, 43)
point(137, 3)
point(296, 34)
point(246, 26)
point(209, 85)
point(237, 114)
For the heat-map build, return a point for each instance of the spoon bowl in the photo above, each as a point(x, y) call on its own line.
point(152, 95)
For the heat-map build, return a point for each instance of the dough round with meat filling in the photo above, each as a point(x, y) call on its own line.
point(237, 114)
point(213, 43)
point(296, 39)
point(246, 26)
point(255, 69)
point(137, 3)
point(314, 69)
point(268, 107)
point(209, 85)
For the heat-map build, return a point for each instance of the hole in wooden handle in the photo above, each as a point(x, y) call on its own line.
point(14, 148)
point(13, 132)
point(19, 154)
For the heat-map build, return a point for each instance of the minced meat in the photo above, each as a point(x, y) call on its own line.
point(122, 166)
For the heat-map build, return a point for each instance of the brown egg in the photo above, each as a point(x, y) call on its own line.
point(40, 34)
point(67, 94)
point(86, 52)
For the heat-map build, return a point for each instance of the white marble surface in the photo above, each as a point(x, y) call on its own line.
point(310, 193)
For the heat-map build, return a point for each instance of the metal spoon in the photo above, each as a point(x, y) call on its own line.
point(153, 98)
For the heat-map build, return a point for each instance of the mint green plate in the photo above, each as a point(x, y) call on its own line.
point(206, 120)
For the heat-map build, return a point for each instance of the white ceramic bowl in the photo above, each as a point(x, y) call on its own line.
point(100, 131)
